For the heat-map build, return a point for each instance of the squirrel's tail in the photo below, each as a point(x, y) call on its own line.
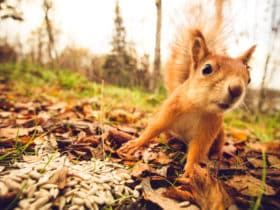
point(210, 24)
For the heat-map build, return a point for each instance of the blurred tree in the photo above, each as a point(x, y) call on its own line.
point(47, 7)
point(119, 37)
point(7, 52)
point(75, 58)
point(121, 65)
point(96, 68)
point(157, 59)
point(115, 64)
point(9, 11)
point(269, 67)
point(44, 38)
point(37, 42)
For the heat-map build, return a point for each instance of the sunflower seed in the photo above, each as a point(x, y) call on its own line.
point(74, 207)
point(49, 186)
point(39, 203)
point(12, 184)
point(31, 190)
point(46, 206)
point(24, 204)
point(62, 202)
point(35, 175)
point(3, 188)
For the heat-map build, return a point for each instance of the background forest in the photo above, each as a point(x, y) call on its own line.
point(78, 79)
point(123, 64)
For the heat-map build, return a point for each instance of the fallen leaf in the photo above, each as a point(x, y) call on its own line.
point(59, 178)
point(13, 132)
point(31, 158)
point(59, 106)
point(162, 158)
point(256, 163)
point(156, 197)
point(240, 135)
point(89, 112)
point(149, 155)
point(250, 186)
point(162, 171)
point(274, 161)
point(121, 116)
point(43, 116)
point(93, 140)
point(203, 189)
point(139, 168)
point(268, 147)
point(119, 136)
point(130, 130)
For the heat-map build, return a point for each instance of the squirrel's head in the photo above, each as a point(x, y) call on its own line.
point(216, 82)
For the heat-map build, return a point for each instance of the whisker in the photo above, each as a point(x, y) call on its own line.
point(245, 107)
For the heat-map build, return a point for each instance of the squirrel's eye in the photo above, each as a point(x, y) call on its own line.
point(207, 69)
point(249, 80)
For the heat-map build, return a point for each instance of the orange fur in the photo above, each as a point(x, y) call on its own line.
point(194, 110)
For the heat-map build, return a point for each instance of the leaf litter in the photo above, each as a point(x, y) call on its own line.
point(71, 164)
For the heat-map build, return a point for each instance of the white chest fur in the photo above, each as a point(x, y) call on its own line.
point(186, 126)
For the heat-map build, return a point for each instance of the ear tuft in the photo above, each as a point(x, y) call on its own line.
point(198, 49)
point(245, 57)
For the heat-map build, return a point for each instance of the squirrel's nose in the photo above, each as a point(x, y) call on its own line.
point(235, 90)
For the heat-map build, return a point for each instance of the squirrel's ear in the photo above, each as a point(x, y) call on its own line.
point(245, 57)
point(198, 49)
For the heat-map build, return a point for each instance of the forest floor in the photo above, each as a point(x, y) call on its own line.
point(59, 134)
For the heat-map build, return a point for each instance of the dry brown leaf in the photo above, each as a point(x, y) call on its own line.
point(149, 155)
point(240, 135)
point(257, 163)
point(268, 147)
point(43, 116)
point(162, 158)
point(274, 161)
point(250, 186)
point(140, 167)
point(122, 116)
point(119, 136)
point(93, 140)
point(59, 178)
point(58, 106)
point(126, 129)
point(31, 158)
point(89, 112)
point(202, 188)
point(13, 132)
point(156, 196)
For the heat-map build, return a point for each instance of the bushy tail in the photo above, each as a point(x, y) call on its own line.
point(209, 21)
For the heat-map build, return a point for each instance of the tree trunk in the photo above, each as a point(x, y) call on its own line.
point(50, 31)
point(262, 94)
point(157, 60)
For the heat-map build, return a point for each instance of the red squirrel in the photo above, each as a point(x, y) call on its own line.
point(203, 82)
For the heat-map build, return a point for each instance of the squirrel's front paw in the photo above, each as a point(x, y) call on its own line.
point(128, 150)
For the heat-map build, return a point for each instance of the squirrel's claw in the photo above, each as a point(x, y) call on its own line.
point(128, 150)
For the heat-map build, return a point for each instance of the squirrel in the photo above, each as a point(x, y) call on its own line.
point(203, 82)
